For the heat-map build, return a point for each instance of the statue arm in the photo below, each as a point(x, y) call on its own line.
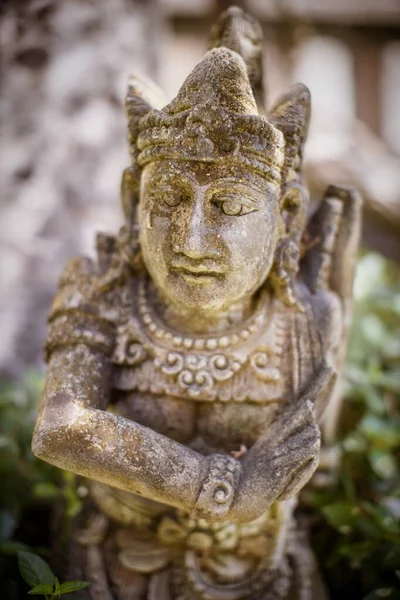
point(328, 270)
point(73, 430)
point(74, 433)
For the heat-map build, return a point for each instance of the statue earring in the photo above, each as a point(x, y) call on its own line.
point(287, 255)
point(283, 272)
point(128, 237)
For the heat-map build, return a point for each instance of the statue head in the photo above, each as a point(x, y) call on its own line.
point(221, 206)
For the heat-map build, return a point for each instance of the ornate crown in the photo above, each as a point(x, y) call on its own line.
point(214, 118)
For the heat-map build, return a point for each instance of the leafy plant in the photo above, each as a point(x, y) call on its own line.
point(37, 573)
point(359, 538)
point(19, 469)
point(30, 487)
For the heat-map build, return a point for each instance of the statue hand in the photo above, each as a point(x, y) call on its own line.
point(283, 459)
point(296, 447)
point(333, 232)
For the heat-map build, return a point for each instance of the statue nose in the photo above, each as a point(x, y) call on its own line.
point(191, 237)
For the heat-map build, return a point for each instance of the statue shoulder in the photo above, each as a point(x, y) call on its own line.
point(75, 286)
point(90, 299)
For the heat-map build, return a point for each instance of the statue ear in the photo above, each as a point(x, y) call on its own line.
point(291, 115)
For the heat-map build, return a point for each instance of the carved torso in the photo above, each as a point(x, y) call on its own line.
point(214, 392)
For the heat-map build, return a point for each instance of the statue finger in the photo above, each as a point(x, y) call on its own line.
point(320, 390)
point(298, 460)
point(300, 478)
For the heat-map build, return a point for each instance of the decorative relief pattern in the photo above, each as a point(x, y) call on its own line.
point(261, 362)
point(129, 349)
point(217, 491)
point(155, 329)
point(198, 558)
point(196, 374)
point(244, 365)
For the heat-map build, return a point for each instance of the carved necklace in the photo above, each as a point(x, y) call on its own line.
point(253, 325)
point(204, 368)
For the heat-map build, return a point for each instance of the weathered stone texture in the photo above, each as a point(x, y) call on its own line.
point(63, 144)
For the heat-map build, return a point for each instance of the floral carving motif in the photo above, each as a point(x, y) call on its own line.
point(129, 349)
point(197, 373)
point(261, 363)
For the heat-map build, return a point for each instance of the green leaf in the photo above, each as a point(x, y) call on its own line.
point(34, 570)
point(374, 399)
point(389, 381)
point(46, 490)
point(8, 443)
point(357, 551)
point(43, 589)
point(381, 432)
point(355, 442)
point(383, 464)
point(11, 547)
point(382, 515)
point(392, 558)
point(72, 586)
point(341, 515)
point(373, 330)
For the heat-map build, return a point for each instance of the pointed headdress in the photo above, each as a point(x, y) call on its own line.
point(214, 118)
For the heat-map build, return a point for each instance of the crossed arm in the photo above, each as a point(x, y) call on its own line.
point(74, 432)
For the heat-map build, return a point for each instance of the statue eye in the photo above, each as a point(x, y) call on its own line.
point(172, 198)
point(234, 207)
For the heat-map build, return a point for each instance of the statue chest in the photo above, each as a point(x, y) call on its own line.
point(223, 389)
point(205, 426)
point(244, 364)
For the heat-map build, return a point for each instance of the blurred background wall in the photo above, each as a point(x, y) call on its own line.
point(64, 67)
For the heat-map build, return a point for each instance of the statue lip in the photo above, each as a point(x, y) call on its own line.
point(197, 272)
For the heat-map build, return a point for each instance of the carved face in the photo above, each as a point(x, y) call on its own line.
point(208, 232)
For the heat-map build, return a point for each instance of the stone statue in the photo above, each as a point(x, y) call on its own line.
point(190, 363)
